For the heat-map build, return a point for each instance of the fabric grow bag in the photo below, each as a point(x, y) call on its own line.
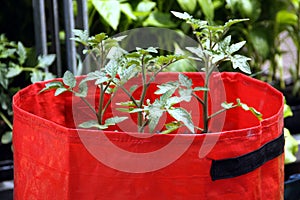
point(56, 160)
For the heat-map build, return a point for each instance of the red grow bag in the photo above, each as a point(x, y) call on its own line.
point(243, 160)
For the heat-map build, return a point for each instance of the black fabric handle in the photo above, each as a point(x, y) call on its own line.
point(233, 167)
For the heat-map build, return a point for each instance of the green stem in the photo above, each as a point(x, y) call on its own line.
point(220, 111)
point(205, 111)
point(89, 105)
point(28, 69)
point(205, 97)
point(144, 90)
point(109, 100)
point(102, 109)
point(206, 84)
point(8, 123)
point(198, 98)
point(102, 90)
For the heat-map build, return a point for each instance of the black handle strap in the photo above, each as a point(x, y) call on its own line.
point(233, 167)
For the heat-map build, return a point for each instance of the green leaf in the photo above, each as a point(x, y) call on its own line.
point(112, 68)
point(295, 4)
point(83, 90)
point(232, 22)
point(127, 110)
point(247, 108)
point(114, 120)
point(166, 96)
point(145, 6)
point(185, 94)
point(159, 19)
point(92, 124)
point(60, 91)
point(7, 53)
point(241, 62)
point(6, 137)
point(185, 81)
point(52, 85)
point(224, 44)
point(128, 73)
point(13, 70)
point(287, 111)
point(48, 76)
point(36, 76)
point(226, 105)
point(46, 60)
point(207, 8)
point(3, 78)
point(110, 10)
point(184, 16)
point(127, 103)
point(259, 37)
point(182, 115)
point(172, 101)
point(290, 147)
point(285, 17)
point(93, 76)
point(101, 80)
point(97, 39)
point(170, 127)
point(235, 47)
point(197, 51)
point(127, 10)
point(81, 36)
point(22, 53)
point(69, 79)
point(151, 50)
point(136, 110)
point(250, 9)
point(187, 5)
point(163, 88)
point(256, 113)
point(155, 113)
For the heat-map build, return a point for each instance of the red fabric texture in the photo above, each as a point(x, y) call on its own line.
point(52, 160)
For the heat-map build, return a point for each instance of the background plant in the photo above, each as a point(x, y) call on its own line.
point(291, 144)
point(288, 21)
point(13, 70)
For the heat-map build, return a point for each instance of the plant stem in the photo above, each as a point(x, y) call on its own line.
point(89, 105)
point(144, 90)
point(204, 103)
point(198, 98)
point(6, 120)
point(109, 100)
point(102, 90)
point(100, 107)
point(220, 111)
point(130, 96)
point(205, 100)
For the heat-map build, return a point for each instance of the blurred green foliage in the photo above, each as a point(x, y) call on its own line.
point(16, 72)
